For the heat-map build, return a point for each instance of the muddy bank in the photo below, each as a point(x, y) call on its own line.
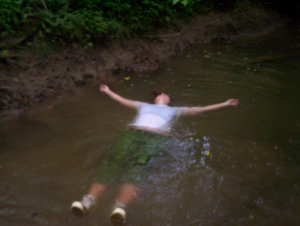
point(27, 78)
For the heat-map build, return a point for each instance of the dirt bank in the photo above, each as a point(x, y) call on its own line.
point(27, 78)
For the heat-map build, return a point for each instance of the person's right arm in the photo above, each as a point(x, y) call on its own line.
point(117, 97)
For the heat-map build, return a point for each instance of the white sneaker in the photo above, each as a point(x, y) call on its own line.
point(78, 209)
point(81, 208)
point(118, 215)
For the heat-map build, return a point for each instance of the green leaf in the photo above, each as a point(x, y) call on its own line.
point(185, 2)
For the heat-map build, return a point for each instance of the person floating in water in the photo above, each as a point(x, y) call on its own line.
point(133, 150)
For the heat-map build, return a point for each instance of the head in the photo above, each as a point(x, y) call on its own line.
point(162, 98)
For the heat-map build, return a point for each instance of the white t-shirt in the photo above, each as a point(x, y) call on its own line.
point(156, 116)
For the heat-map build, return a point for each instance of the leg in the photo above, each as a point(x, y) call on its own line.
point(127, 193)
point(97, 189)
point(88, 200)
point(112, 167)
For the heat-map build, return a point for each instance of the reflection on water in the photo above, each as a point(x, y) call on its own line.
point(236, 166)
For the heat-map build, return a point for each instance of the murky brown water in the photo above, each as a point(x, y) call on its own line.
point(235, 166)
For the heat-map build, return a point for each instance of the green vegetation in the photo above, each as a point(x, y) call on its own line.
point(86, 21)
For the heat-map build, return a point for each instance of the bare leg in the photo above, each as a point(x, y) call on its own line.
point(127, 193)
point(88, 200)
point(97, 189)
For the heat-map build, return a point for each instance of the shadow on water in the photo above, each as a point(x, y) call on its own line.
point(236, 166)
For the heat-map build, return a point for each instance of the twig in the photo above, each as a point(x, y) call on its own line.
point(163, 35)
point(28, 65)
point(5, 56)
point(44, 4)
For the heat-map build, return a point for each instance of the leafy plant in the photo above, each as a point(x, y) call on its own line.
point(88, 20)
point(14, 14)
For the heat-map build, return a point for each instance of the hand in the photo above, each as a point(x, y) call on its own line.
point(232, 102)
point(103, 88)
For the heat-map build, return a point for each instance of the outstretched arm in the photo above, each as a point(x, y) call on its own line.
point(117, 97)
point(195, 110)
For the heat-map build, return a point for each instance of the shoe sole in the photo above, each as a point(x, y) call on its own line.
point(78, 209)
point(118, 216)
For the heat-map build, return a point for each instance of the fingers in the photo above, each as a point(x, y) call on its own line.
point(103, 88)
point(234, 102)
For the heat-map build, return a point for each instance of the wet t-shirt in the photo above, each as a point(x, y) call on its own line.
point(156, 116)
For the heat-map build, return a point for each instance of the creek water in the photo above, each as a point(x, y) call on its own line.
point(234, 166)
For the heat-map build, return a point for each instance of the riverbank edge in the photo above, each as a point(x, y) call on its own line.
point(30, 80)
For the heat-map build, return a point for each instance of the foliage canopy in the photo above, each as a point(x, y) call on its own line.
point(89, 20)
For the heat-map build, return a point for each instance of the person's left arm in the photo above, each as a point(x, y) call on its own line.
point(196, 110)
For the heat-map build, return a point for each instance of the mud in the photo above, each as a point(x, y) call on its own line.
point(27, 78)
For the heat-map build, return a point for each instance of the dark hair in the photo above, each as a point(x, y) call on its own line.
point(156, 93)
